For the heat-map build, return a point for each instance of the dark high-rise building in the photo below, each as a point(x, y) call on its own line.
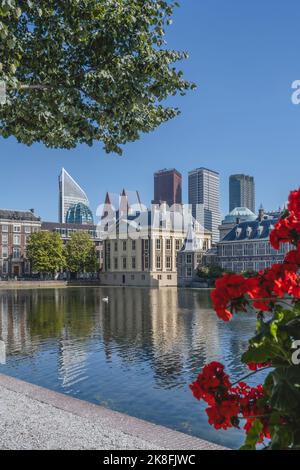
point(241, 192)
point(168, 187)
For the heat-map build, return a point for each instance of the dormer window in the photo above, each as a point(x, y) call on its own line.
point(238, 232)
point(260, 230)
point(248, 232)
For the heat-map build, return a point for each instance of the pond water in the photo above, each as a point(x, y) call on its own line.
point(136, 354)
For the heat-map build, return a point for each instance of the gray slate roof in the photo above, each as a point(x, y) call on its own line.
point(260, 230)
point(18, 215)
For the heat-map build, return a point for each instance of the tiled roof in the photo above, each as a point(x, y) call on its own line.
point(18, 215)
point(252, 230)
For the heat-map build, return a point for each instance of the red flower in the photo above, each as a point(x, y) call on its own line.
point(221, 416)
point(229, 292)
point(293, 257)
point(210, 383)
point(294, 202)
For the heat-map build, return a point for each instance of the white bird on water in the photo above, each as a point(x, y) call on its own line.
point(105, 299)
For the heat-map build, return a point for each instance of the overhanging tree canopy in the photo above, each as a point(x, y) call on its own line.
point(80, 71)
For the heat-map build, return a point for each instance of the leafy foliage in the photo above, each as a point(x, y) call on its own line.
point(80, 253)
point(85, 71)
point(45, 252)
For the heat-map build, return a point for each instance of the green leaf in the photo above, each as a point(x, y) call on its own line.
point(253, 436)
point(286, 392)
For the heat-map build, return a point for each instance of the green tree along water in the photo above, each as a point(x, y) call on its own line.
point(80, 72)
point(45, 252)
point(80, 254)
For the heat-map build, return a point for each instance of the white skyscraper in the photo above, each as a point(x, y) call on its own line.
point(204, 196)
point(70, 193)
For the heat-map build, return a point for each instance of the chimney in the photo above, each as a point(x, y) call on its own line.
point(261, 213)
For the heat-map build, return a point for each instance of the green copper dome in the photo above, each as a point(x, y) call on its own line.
point(79, 214)
point(242, 213)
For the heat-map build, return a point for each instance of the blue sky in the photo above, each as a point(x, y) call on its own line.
point(244, 56)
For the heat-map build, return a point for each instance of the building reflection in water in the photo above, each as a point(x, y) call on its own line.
point(173, 331)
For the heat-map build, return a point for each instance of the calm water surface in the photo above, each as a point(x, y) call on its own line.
point(137, 354)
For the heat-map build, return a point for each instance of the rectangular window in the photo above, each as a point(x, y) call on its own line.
point(133, 245)
point(5, 228)
point(238, 249)
point(5, 267)
point(158, 244)
point(158, 262)
point(16, 253)
point(189, 258)
point(133, 262)
point(124, 263)
point(116, 264)
point(146, 245)
point(124, 246)
point(189, 271)
point(168, 262)
point(177, 245)
point(4, 252)
point(169, 277)
point(146, 262)
point(27, 229)
point(116, 246)
point(17, 240)
point(17, 228)
point(4, 238)
point(168, 244)
point(27, 267)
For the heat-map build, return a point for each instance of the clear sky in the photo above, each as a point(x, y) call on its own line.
point(244, 56)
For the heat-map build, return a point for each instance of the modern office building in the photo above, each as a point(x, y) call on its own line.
point(204, 197)
point(70, 194)
point(168, 187)
point(15, 229)
point(241, 192)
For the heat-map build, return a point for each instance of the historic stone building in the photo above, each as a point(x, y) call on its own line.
point(247, 247)
point(190, 256)
point(141, 249)
point(15, 229)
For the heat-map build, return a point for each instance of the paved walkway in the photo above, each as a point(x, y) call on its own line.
point(33, 417)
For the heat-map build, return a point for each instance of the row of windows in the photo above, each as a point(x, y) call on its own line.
point(240, 266)
point(16, 252)
point(124, 263)
point(69, 232)
point(134, 277)
point(16, 239)
point(250, 249)
point(18, 228)
point(158, 244)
